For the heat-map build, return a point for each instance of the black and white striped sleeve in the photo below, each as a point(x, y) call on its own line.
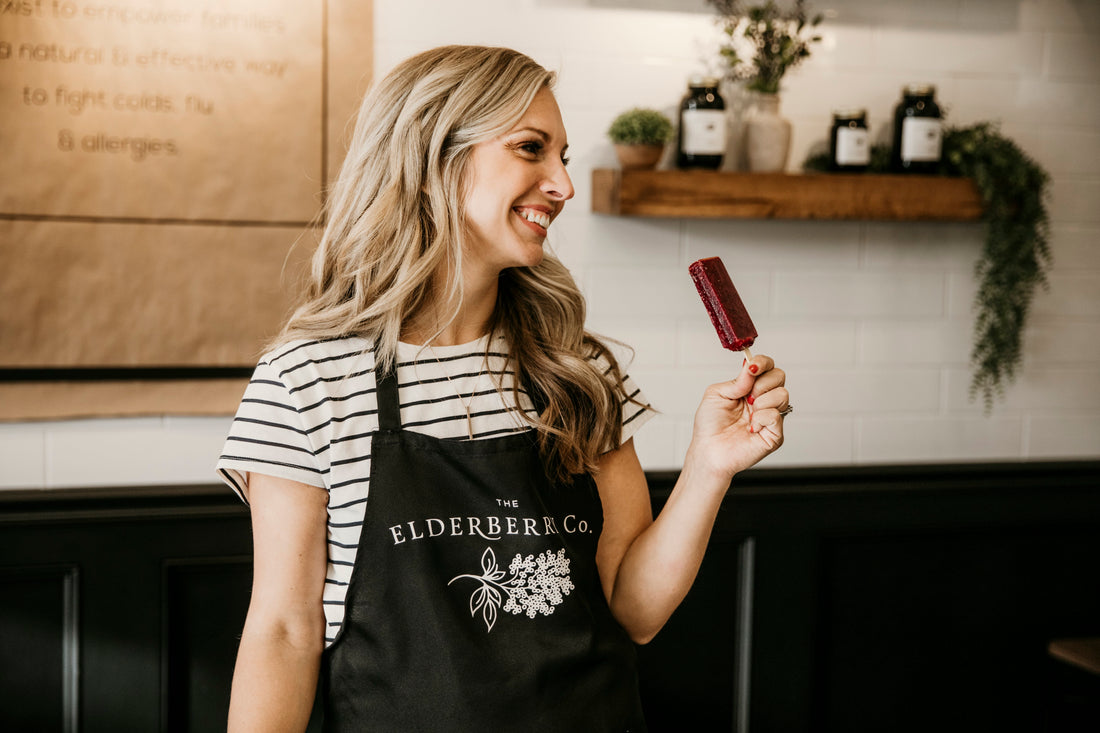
point(636, 408)
point(267, 436)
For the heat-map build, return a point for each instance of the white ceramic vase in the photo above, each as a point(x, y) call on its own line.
point(767, 136)
point(738, 102)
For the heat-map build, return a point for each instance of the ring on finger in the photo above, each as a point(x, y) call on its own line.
point(786, 410)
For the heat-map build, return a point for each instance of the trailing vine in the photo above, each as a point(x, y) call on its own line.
point(1016, 253)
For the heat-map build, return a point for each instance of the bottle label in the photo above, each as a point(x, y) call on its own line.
point(921, 139)
point(852, 146)
point(704, 132)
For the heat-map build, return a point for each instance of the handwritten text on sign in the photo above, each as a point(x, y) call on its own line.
point(132, 108)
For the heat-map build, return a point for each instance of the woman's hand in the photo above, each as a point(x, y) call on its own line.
point(739, 422)
point(647, 566)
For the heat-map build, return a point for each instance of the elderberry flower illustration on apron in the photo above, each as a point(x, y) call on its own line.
point(536, 585)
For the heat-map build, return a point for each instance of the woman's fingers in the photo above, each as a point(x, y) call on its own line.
point(768, 406)
point(761, 367)
point(768, 380)
point(760, 364)
point(768, 424)
point(762, 387)
point(776, 397)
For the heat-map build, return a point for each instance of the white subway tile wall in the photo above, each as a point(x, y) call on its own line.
point(871, 320)
point(22, 455)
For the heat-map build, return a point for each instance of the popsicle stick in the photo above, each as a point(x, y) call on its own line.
point(748, 358)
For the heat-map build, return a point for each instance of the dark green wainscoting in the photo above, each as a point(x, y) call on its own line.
point(900, 598)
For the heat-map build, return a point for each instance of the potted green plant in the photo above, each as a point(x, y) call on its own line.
point(762, 43)
point(640, 136)
point(1016, 254)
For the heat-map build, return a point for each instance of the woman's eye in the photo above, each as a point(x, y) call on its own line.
point(535, 149)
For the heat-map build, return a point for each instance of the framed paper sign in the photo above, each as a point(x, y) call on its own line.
point(164, 164)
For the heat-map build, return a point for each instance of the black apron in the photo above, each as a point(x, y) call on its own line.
point(474, 603)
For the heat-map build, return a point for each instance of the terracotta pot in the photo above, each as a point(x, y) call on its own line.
point(767, 136)
point(639, 157)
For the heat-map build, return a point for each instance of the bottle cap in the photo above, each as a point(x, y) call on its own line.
point(699, 80)
point(850, 113)
point(919, 90)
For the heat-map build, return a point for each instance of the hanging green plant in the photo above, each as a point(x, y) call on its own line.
point(1016, 254)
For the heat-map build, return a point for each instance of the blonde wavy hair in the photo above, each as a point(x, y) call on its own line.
point(394, 221)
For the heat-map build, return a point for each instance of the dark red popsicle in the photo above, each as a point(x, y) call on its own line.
point(727, 312)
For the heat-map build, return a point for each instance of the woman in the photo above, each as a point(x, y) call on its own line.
point(451, 526)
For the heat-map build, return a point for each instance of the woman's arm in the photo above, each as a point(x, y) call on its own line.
point(647, 566)
point(275, 678)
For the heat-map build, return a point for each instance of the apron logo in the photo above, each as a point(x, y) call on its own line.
point(535, 585)
point(493, 528)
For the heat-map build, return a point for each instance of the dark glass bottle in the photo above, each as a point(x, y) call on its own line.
point(701, 142)
point(849, 141)
point(918, 131)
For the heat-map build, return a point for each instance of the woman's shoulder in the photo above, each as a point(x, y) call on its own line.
point(300, 350)
point(599, 350)
point(292, 360)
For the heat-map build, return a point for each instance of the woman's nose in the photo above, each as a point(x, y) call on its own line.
point(558, 184)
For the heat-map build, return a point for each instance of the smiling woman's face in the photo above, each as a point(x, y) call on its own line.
point(517, 185)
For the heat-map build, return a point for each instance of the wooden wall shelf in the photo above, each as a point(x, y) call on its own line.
point(719, 195)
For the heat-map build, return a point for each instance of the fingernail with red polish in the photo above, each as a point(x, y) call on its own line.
point(750, 399)
point(753, 368)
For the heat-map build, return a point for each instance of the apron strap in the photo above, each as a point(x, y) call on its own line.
point(389, 406)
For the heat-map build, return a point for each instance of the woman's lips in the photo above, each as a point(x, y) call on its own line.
point(535, 219)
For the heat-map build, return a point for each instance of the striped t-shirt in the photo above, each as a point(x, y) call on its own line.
point(310, 412)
